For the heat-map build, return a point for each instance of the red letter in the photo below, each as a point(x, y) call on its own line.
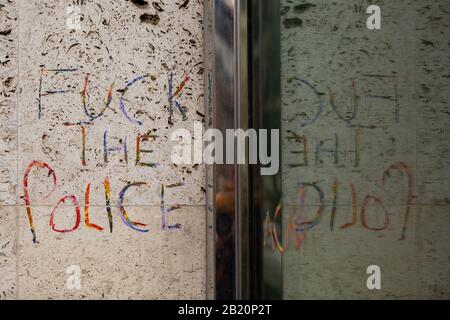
point(77, 210)
point(37, 164)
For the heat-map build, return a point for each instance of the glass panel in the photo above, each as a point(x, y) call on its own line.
point(223, 115)
point(264, 190)
point(365, 149)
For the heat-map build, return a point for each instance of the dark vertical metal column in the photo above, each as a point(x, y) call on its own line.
point(229, 111)
point(265, 105)
point(243, 79)
point(224, 175)
point(208, 55)
point(243, 248)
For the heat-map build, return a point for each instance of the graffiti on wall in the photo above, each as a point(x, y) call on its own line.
point(91, 118)
point(307, 152)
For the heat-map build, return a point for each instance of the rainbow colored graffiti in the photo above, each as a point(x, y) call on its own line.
point(297, 228)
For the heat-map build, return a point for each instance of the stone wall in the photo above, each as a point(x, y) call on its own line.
point(90, 93)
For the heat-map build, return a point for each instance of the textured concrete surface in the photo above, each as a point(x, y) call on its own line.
point(8, 148)
point(357, 102)
point(396, 78)
point(101, 75)
point(122, 265)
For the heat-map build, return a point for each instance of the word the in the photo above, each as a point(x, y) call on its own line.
point(121, 147)
point(302, 151)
